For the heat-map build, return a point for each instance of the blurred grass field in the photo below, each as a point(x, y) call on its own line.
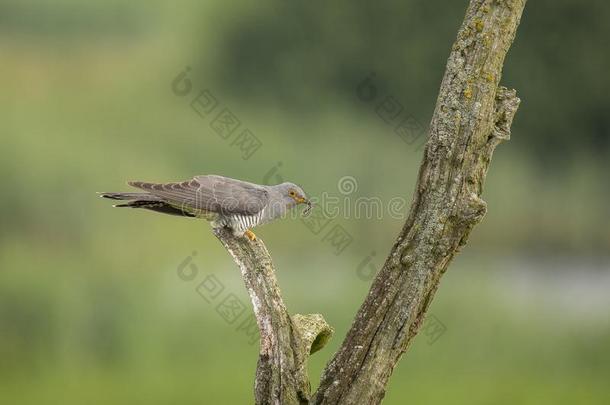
point(92, 309)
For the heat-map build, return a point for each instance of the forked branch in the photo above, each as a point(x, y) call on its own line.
point(473, 115)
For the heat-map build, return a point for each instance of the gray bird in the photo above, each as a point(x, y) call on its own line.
point(223, 201)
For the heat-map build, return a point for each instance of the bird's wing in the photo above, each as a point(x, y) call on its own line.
point(210, 193)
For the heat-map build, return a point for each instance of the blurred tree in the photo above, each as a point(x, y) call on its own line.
point(301, 52)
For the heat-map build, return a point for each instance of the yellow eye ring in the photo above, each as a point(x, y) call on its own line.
point(291, 193)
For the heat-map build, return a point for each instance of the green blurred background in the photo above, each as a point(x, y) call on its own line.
point(92, 308)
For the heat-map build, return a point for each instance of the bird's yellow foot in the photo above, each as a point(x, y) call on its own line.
point(250, 235)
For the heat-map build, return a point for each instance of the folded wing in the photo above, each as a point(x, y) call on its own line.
point(210, 193)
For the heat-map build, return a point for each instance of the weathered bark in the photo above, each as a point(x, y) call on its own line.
point(285, 342)
point(472, 116)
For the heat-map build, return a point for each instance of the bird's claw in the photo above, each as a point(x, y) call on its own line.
point(250, 235)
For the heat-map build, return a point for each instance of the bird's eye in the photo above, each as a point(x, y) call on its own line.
point(291, 193)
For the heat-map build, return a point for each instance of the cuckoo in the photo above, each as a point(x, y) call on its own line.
point(223, 201)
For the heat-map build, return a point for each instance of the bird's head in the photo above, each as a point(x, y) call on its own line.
point(293, 195)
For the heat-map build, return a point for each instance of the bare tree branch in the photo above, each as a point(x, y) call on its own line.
point(285, 342)
point(472, 116)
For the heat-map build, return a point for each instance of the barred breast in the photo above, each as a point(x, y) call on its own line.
point(240, 223)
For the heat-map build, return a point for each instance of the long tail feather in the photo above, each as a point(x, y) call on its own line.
point(129, 196)
point(157, 206)
point(146, 201)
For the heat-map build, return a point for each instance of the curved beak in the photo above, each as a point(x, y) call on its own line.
point(302, 200)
